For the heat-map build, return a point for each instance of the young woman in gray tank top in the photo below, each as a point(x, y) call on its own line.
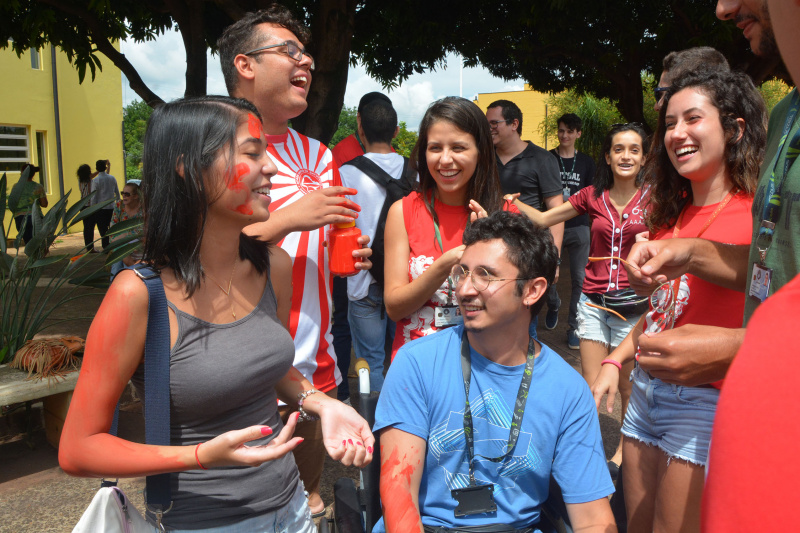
point(206, 176)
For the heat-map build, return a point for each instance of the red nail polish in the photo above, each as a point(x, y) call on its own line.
point(369, 449)
point(296, 416)
point(266, 431)
point(359, 443)
point(301, 440)
point(344, 443)
point(350, 442)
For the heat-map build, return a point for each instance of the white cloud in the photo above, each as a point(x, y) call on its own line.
point(162, 66)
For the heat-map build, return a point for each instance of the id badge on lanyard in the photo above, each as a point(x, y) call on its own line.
point(759, 284)
point(447, 316)
point(479, 498)
point(762, 275)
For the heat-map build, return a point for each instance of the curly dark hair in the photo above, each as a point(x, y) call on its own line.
point(84, 173)
point(242, 36)
point(604, 177)
point(484, 186)
point(735, 96)
point(193, 134)
point(529, 247)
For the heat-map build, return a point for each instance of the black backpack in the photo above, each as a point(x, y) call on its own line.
point(395, 190)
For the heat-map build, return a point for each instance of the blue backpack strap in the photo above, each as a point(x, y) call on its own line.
point(158, 493)
point(156, 378)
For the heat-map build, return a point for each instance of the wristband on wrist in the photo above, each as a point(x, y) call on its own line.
point(197, 457)
point(301, 398)
point(611, 362)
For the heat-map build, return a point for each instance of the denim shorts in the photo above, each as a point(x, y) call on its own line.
point(601, 326)
point(676, 419)
point(294, 517)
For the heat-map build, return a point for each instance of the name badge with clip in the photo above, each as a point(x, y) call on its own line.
point(477, 499)
point(446, 316)
point(759, 284)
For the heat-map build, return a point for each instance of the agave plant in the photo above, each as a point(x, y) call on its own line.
point(25, 309)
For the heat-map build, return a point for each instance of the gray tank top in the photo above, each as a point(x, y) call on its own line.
point(222, 377)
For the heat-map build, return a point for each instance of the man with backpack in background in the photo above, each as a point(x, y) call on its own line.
point(345, 150)
point(381, 177)
point(353, 145)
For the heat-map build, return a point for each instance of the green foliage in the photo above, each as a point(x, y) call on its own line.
point(134, 118)
point(649, 82)
point(405, 140)
point(347, 124)
point(402, 144)
point(773, 92)
point(36, 282)
point(594, 47)
point(597, 114)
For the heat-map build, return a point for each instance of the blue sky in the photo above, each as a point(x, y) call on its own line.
point(162, 64)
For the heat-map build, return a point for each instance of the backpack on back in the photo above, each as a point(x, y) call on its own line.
point(395, 190)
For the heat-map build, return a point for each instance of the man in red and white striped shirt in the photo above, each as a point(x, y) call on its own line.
point(264, 61)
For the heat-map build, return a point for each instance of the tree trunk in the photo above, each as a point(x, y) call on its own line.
point(332, 28)
point(630, 100)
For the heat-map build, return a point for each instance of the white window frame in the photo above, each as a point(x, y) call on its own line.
point(36, 59)
point(5, 149)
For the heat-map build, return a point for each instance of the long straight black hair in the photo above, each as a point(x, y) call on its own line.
point(191, 135)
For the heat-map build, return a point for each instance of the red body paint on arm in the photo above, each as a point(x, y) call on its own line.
point(400, 510)
point(114, 348)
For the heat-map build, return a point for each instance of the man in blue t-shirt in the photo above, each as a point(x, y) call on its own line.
point(529, 413)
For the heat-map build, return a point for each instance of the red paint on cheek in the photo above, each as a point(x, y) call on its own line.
point(400, 512)
point(245, 209)
point(234, 177)
point(254, 126)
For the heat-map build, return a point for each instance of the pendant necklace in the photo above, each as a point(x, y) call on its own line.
point(563, 168)
point(228, 292)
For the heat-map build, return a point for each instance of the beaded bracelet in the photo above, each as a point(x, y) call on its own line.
point(301, 398)
point(611, 362)
point(197, 457)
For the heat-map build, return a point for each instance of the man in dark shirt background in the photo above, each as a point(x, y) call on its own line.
point(526, 169)
point(577, 171)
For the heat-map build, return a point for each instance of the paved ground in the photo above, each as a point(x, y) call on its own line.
point(36, 495)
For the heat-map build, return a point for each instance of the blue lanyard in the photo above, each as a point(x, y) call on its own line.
point(772, 198)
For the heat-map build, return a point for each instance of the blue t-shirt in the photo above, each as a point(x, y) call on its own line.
point(424, 396)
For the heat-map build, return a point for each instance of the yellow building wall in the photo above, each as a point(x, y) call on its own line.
point(91, 118)
point(534, 110)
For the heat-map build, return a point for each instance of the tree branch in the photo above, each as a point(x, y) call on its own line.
point(104, 45)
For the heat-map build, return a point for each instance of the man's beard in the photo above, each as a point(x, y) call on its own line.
point(767, 46)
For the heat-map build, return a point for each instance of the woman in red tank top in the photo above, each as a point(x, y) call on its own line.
point(458, 180)
point(701, 177)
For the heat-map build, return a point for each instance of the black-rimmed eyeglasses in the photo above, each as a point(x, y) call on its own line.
point(480, 277)
point(495, 123)
point(658, 92)
point(293, 50)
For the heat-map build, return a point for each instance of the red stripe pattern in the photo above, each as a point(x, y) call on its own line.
point(306, 165)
